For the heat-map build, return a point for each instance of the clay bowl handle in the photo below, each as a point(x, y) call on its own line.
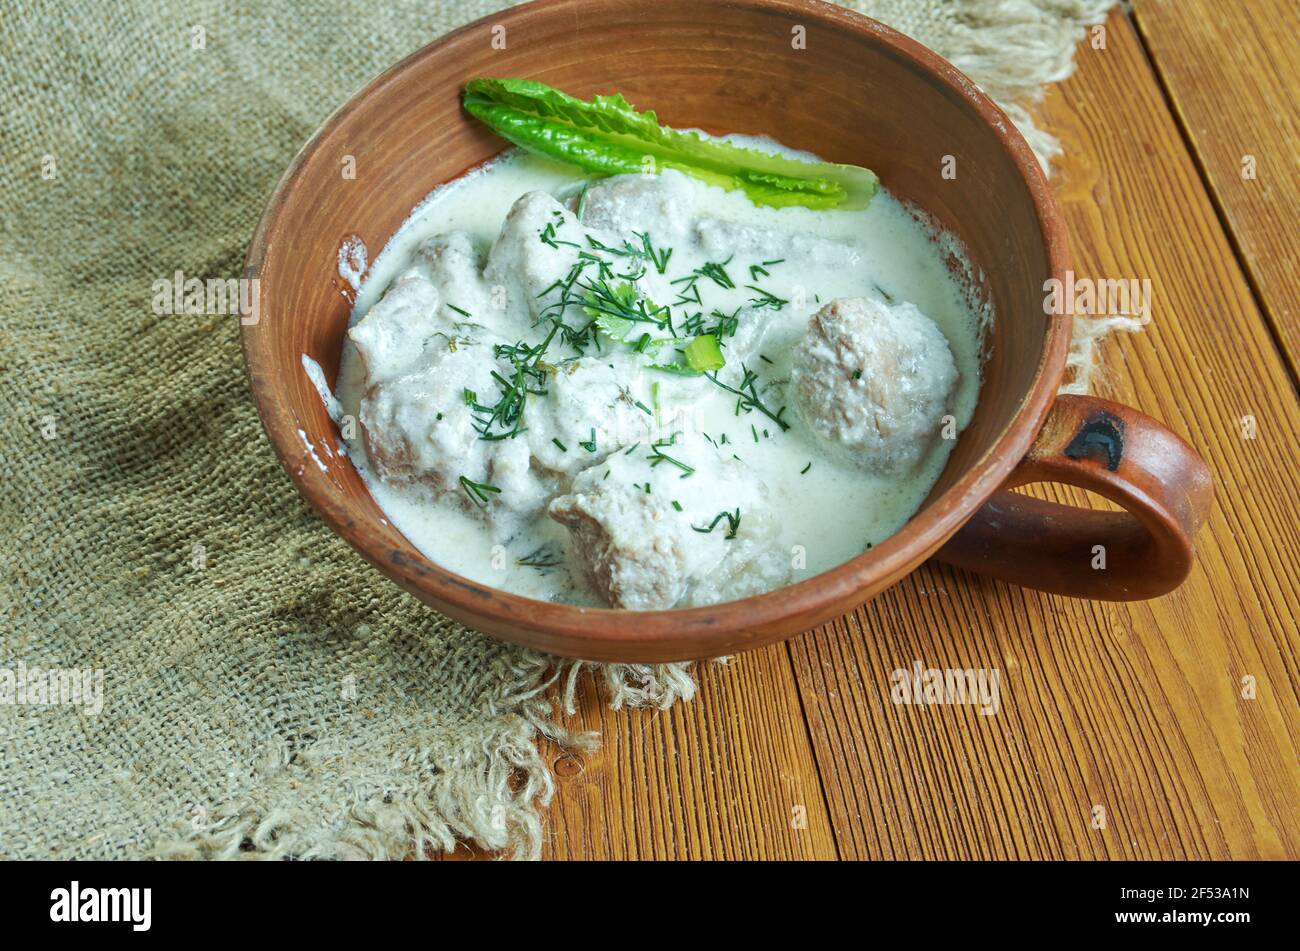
point(1143, 552)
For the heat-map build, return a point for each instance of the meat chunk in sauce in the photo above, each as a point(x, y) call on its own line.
point(874, 381)
point(650, 534)
point(624, 203)
point(420, 414)
point(455, 267)
point(538, 245)
point(391, 338)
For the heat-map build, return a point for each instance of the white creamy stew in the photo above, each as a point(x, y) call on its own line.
point(533, 368)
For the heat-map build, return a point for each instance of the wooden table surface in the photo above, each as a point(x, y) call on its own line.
point(1165, 729)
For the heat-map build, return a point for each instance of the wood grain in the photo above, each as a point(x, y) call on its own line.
point(729, 775)
point(1232, 74)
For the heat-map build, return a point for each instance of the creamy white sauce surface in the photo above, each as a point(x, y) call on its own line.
point(820, 507)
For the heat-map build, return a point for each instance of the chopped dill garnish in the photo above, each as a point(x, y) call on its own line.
point(765, 298)
point(725, 325)
point(543, 557)
point(658, 258)
point(577, 337)
point(647, 251)
point(563, 447)
point(805, 469)
point(733, 524)
point(622, 301)
point(657, 456)
point(590, 444)
point(677, 505)
point(691, 295)
point(463, 313)
point(477, 491)
point(548, 233)
point(504, 419)
point(717, 273)
point(748, 398)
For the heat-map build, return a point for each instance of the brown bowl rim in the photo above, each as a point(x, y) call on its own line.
point(566, 628)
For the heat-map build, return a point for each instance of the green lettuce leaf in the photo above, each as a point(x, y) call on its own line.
point(608, 136)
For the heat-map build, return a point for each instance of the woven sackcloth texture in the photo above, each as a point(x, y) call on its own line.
point(265, 693)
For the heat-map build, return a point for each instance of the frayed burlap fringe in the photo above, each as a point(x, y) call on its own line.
point(635, 685)
point(1081, 365)
point(497, 807)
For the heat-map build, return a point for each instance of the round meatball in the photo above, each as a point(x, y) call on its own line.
point(874, 380)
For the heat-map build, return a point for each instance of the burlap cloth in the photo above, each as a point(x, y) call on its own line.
point(265, 692)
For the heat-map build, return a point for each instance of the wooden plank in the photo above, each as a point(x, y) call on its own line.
point(1232, 74)
point(1134, 708)
point(729, 775)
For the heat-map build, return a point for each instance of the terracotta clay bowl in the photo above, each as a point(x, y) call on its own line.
point(817, 77)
